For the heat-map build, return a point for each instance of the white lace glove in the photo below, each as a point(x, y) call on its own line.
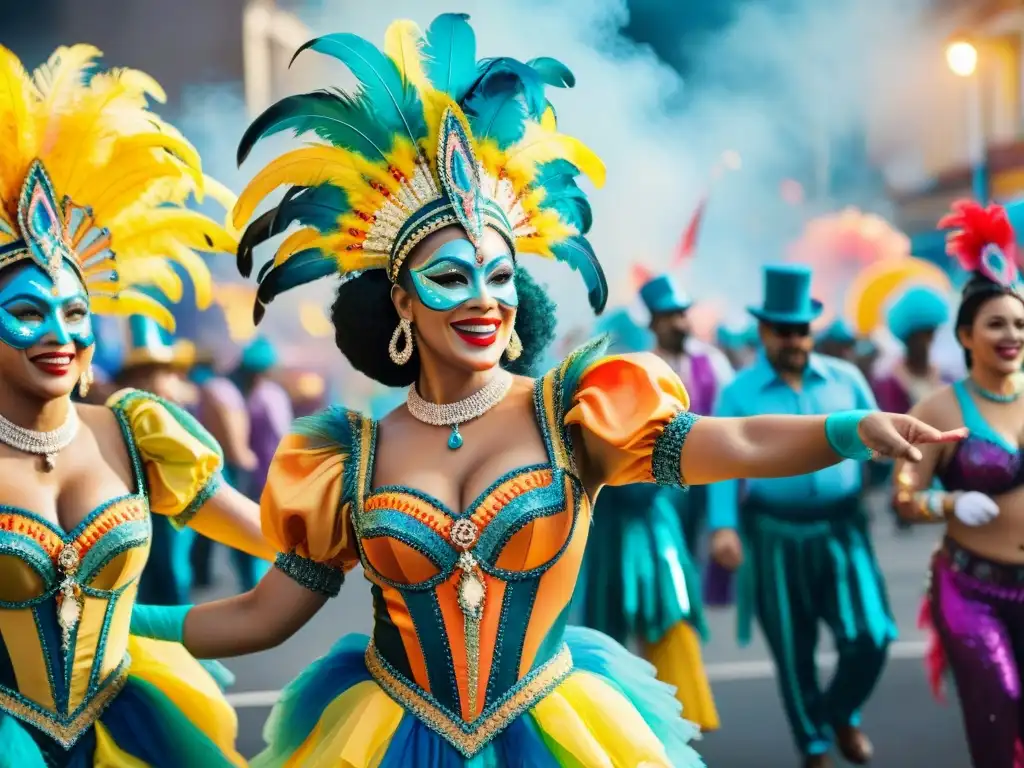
point(974, 509)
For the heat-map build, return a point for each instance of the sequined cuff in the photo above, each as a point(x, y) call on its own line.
point(316, 577)
point(666, 459)
point(207, 492)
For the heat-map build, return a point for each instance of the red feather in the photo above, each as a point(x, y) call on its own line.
point(975, 228)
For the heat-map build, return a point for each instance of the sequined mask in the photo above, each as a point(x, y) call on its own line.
point(454, 274)
point(33, 307)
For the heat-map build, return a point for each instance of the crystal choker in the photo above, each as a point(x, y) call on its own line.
point(454, 414)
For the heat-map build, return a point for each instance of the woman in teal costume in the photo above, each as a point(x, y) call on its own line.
point(639, 582)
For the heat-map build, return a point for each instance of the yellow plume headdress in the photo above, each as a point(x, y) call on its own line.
point(87, 170)
point(431, 139)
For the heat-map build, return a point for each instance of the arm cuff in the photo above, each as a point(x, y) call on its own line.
point(666, 459)
point(316, 577)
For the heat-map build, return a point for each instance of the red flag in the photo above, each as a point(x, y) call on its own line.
point(640, 276)
point(688, 243)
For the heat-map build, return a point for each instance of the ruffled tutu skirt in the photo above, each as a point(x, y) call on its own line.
point(171, 713)
point(610, 712)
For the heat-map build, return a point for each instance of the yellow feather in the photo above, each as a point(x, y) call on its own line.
point(116, 191)
point(61, 78)
point(132, 150)
point(198, 272)
point(540, 145)
point(133, 303)
point(190, 228)
point(16, 127)
point(547, 120)
point(306, 167)
point(297, 241)
point(403, 42)
point(155, 271)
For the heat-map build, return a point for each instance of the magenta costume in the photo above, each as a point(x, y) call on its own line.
point(976, 606)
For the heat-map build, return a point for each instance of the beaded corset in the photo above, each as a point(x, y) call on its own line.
point(60, 665)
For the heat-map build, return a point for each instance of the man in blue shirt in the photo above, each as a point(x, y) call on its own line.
point(806, 549)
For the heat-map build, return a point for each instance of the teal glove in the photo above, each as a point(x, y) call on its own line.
point(842, 430)
point(159, 622)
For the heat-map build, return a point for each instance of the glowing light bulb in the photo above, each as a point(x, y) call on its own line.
point(962, 58)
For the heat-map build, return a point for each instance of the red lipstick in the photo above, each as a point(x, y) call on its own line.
point(478, 331)
point(54, 363)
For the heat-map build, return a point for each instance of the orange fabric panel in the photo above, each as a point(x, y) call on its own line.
point(397, 561)
point(399, 613)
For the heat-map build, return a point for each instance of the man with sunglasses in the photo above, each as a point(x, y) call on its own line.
point(808, 556)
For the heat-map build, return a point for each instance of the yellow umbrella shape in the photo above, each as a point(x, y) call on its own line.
point(868, 296)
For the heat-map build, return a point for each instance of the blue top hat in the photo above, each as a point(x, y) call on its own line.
point(839, 332)
point(626, 335)
point(259, 357)
point(662, 294)
point(787, 296)
point(149, 344)
point(918, 309)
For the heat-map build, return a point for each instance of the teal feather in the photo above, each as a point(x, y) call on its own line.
point(393, 102)
point(255, 234)
point(494, 77)
point(303, 267)
point(334, 117)
point(578, 254)
point(317, 207)
point(329, 428)
point(499, 115)
point(553, 72)
point(450, 54)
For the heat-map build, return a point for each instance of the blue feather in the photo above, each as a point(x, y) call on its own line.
point(304, 267)
point(578, 254)
point(558, 178)
point(450, 53)
point(394, 103)
point(576, 364)
point(334, 117)
point(553, 72)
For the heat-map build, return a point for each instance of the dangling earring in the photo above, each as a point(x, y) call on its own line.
point(404, 329)
point(515, 346)
point(85, 381)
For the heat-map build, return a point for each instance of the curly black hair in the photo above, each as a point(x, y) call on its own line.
point(978, 291)
point(364, 320)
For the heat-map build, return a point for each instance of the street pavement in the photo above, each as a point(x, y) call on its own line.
point(908, 727)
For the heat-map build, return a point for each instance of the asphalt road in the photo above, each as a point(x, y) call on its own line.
point(909, 729)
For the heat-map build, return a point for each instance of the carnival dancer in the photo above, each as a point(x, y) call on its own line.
point(222, 411)
point(469, 508)
point(639, 582)
point(87, 169)
point(704, 371)
point(808, 556)
point(152, 363)
point(976, 603)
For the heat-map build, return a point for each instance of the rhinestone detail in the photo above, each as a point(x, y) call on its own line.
point(45, 444)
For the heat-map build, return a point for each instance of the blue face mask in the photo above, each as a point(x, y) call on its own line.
point(451, 276)
point(31, 312)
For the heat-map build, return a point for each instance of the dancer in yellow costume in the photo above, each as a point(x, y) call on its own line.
point(469, 507)
point(87, 170)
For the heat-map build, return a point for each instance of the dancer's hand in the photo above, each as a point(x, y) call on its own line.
point(974, 509)
point(726, 548)
point(894, 435)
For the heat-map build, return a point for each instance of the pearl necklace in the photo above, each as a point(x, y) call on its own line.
point(45, 444)
point(454, 414)
point(998, 397)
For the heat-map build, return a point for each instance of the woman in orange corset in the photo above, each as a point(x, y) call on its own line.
point(469, 507)
point(85, 169)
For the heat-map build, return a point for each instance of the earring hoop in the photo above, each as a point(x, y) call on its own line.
point(515, 346)
point(402, 331)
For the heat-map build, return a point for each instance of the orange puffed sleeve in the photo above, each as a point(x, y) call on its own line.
point(306, 516)
point(631, 411)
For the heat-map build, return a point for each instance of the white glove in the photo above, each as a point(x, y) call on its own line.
point(974, 509)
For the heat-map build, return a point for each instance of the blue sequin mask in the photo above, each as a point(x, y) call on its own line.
point(33, 308)
point(452, 276)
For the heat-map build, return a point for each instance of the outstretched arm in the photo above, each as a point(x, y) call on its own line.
point(783, 446)
point(230, 518)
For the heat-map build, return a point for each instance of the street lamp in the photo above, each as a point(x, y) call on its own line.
point(962, 58)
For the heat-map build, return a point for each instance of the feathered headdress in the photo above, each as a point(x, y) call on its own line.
point(983, 242)
point(87, 170)
point(432, 138)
